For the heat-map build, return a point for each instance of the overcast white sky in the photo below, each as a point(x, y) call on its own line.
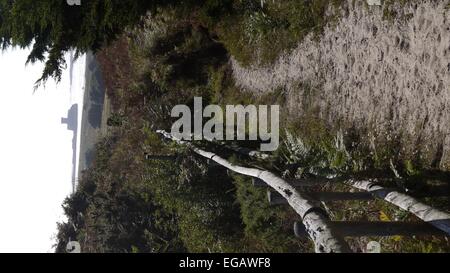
point(35, 153)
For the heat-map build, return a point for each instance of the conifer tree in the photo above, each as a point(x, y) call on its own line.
point(53, 27)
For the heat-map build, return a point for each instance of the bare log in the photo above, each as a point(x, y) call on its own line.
point(378, 229)
point(314, 218)
point(435, 217)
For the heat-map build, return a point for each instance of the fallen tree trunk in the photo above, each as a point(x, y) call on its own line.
point(435, 217)
point(315, 220)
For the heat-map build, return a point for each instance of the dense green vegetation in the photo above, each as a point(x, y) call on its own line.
point(174, 200)
point(189, 205)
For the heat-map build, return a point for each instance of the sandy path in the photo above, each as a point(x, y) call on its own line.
point(391, 77)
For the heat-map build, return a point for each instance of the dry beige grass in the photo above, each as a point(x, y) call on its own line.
point(390, 76)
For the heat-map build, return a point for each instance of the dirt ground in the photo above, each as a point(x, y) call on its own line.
point(391, 77)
